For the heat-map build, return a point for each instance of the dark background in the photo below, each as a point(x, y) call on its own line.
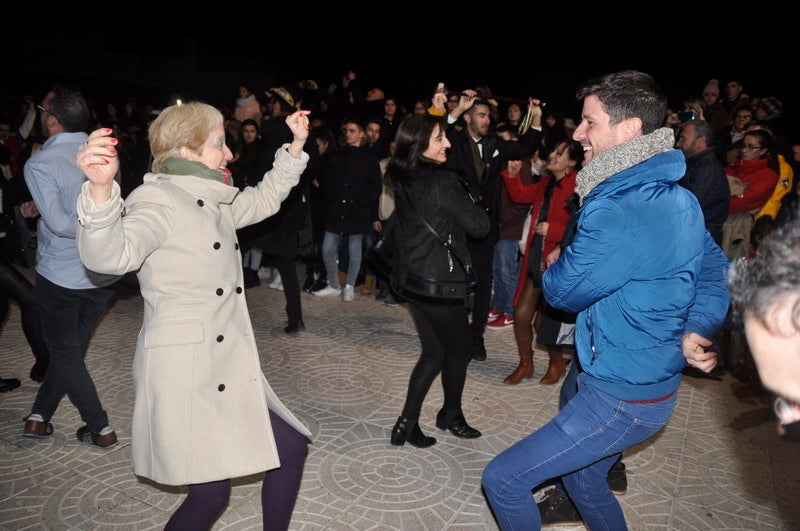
point(190, 53)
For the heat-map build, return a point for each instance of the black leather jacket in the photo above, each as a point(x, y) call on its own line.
point(439, 198)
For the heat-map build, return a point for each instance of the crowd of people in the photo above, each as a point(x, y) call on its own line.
point(605, 238)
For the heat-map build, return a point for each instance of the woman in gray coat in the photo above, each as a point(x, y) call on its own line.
point(203, 411)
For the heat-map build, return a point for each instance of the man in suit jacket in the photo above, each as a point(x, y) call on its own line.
point(479, 156)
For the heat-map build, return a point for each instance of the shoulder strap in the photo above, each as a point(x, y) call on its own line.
point(446, 243)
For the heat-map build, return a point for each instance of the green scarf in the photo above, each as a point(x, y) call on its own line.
point(189, 167)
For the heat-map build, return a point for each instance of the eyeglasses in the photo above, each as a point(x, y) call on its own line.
point(45, 110)
point(744, 116)
point(750, 147)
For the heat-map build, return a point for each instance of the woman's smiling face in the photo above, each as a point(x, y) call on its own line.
point(215, 153)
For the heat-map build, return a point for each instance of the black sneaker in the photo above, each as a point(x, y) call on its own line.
point(556, 509)
point(308, 284)
point(251, 279)
point(617, 479)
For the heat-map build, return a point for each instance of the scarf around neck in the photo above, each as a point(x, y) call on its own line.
point(178, 166)
point(622, 157)
point(241, 102)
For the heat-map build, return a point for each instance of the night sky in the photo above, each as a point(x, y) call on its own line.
point(194, 53)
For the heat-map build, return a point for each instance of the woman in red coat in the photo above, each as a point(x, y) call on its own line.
point(549, 216)
point(756, 168)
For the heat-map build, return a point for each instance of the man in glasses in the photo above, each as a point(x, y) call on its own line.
point(766, 290)
point(70, 297)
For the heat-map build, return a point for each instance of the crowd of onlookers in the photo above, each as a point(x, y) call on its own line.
point(723, 112)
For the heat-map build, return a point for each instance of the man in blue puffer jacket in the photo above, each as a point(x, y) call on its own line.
point(648, 283)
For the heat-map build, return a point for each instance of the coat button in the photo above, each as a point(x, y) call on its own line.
point(200, 202)
point(220, 338)
point(217, 245)
point(221, 387)
point(220, 291)
point(238, 289)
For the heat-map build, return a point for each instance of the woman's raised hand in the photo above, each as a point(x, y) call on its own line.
point(97, 157)
point(299, 124)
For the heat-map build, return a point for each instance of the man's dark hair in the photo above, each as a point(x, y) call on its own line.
point(628, 94)
point(70, 108)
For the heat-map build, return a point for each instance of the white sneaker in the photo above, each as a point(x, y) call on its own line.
point(265, 273)
point(348, 294)
point(327, 291)
point(277, 282)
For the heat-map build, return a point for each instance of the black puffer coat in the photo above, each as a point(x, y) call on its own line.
point(352, 185)
point(440, 199)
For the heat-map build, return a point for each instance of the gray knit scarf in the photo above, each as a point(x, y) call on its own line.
point(622, 157)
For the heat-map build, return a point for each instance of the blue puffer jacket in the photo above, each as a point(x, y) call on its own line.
point(642, 271)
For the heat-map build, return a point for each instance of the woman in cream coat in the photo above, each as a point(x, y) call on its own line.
point(203, 412)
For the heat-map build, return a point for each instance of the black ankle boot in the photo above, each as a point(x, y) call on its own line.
point(415, 437)
point(458, 426)
point(294, 329)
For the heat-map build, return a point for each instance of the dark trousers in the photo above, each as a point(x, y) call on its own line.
point(15, 286)
point(481, 252)
point(287, 267)
point(68, 318)
point(446, 347)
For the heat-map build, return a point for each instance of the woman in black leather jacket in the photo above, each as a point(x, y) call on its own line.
point(430, 275)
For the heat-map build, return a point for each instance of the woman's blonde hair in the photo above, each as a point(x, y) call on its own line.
point(186, 125)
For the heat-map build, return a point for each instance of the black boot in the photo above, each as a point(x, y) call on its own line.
point(401, 434)
point(458, 426)
point(295, 328)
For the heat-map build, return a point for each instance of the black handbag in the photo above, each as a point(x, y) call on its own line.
point(306, 244)
point(381, 254)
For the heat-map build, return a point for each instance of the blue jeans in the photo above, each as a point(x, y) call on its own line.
point(330, 255)
point(581, 443)
point(68, 317)
point(505, 272)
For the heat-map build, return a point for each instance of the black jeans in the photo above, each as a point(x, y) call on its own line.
point(15, 286)
point(68, 318)
point(287, 267)
point(446, 347)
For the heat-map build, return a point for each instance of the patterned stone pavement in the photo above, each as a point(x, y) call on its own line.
point(718, 464)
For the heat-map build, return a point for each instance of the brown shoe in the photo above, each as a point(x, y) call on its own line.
point(555, 370)
point(523, 370)
point(37, 430)
point(95, 439)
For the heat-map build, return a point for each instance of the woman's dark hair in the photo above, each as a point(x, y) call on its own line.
point(574, 151)
point(250, 121)
point(767, 141)
point(411, 140)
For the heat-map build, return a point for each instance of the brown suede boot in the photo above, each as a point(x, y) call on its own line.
point(555, 369)
point(523, 370)
point(369, 285)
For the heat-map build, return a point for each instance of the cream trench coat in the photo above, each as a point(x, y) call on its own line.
point(201, 410)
